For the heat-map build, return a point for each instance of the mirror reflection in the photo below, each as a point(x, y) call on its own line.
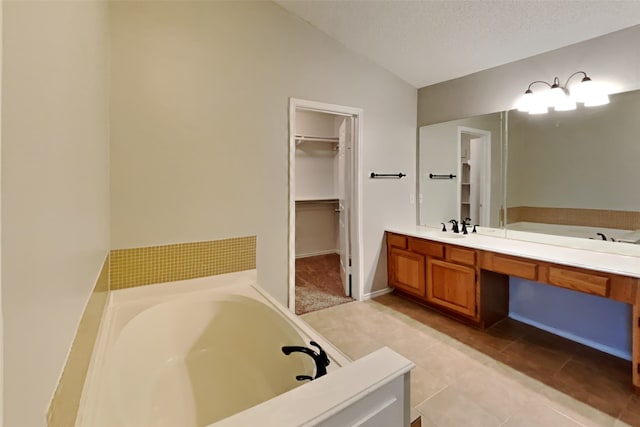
point(574, 173)
point(571, 174)
point(460, 164)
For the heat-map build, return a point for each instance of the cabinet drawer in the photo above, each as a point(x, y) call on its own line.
point(397, 240)
point(579, 281)
point(461, 255)
point(426, 247)
point(511, 266)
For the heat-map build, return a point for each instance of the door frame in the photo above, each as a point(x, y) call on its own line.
point(355, 226)
point(485, 173)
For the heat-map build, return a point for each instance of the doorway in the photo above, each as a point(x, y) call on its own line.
point(474, 170)
point(324, 204)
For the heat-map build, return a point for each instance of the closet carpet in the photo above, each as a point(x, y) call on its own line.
point(318, 283)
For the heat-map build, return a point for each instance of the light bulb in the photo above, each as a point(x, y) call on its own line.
point(524, 103)
point(539, 104)
point(556, 95)
point(565, 104)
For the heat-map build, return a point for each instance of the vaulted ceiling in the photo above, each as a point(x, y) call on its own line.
point(426, 42)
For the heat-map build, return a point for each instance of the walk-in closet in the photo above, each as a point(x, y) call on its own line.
point(322, 167)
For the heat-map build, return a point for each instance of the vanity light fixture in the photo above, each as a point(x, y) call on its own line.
point(560, 98)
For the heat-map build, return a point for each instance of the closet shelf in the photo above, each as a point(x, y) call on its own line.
point(307, 138)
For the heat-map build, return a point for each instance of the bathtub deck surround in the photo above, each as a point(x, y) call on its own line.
point(66, 399)
point(160, 345)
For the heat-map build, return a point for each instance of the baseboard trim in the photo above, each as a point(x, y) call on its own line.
point(568, 335)
point(327, 252)
point(377, 293)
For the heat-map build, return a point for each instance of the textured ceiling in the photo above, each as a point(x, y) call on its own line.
point(426, 42)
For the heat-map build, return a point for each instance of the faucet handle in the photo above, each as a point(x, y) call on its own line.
point(322, 355)
point(444, 227)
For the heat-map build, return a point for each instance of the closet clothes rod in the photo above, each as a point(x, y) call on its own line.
point(441, 176)
point(387, 175)
point(317, 202)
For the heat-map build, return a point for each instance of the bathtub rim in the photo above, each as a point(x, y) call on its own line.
point(141, 298)
point(326, 397)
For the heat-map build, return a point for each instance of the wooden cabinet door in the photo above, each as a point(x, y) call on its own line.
point(407, 271)
point(451, 286)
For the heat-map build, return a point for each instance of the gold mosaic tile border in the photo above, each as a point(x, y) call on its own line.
point(624, 220)
point(66, 399)
point(168, 263)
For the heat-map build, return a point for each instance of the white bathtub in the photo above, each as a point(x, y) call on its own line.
point(208, 352)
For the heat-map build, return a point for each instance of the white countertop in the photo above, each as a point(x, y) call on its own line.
point(600, 261)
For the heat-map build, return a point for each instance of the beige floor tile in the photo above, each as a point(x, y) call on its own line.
point(574, 409)
point(452, 384)
point(353, 347)
point(411, 344)
point(449, 408)
point(512, 374)
point(496, 393)
point(447, 361)
point(425, 384)
point(537, 414)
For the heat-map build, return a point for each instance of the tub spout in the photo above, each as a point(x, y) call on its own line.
point(320, 358)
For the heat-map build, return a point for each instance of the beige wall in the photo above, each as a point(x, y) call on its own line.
point(584, 159)
point(613, 59)
point(316, 229)
point(1, 313)
point(54, 190)
point(199, 108)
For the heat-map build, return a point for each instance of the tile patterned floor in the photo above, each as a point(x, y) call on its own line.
point(509, 375)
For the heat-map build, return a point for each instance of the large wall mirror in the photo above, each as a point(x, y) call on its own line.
point(564, 178)
point(461, 171)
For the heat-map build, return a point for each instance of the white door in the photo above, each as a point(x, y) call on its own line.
point(476, 158)
point(343, 179)
point(480, 161)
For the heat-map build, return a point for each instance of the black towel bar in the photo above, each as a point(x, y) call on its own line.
point(441, 176)
point(387, 175)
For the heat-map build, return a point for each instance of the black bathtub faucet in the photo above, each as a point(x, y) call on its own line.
point(320, 358)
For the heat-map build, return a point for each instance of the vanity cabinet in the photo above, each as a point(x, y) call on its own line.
point(452, 286)
point(407, 271)
point(473, 284)
point(406, 268)
point(442, 276)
